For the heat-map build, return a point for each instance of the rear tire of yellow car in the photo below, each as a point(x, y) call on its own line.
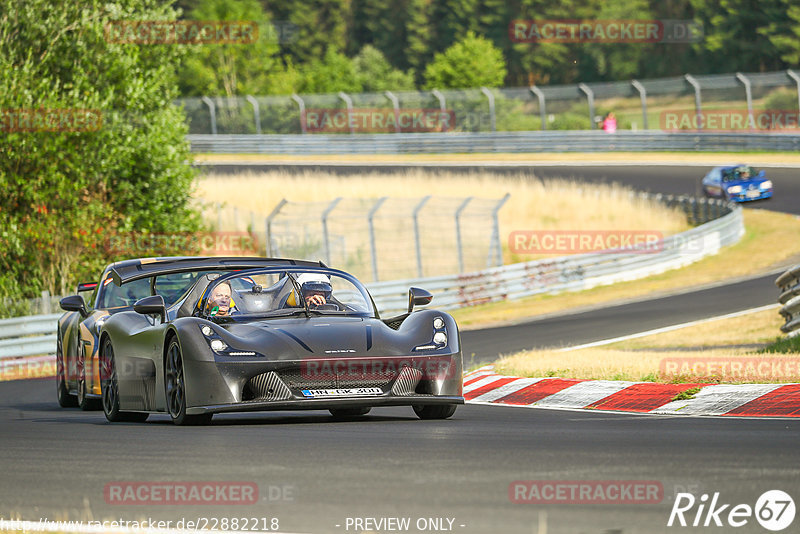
point(65, 400)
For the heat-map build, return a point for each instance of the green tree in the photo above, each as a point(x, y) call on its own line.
point(376, 74)
point(471, 62)
point(334, 72)
point(69, 186)
point(235, 69)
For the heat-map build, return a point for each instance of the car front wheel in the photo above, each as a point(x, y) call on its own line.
point(175, 385)
point(435, 412)
point(109, 386)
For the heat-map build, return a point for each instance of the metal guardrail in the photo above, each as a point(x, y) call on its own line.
point(28, 336)
point(35, 335)
point(789, 282)
point(571, 273)
point(501, 142)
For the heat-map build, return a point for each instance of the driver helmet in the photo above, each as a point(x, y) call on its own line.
point(315, 282)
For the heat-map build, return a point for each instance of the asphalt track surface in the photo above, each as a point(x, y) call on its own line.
point(314, 473)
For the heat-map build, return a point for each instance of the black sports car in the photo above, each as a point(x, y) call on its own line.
point(252, 334)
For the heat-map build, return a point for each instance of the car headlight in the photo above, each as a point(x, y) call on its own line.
point(735, 189)
point(766, 185)
point(440, 338)
point(218, 345)
point(99, 323)
point(438, 323)
point(206, 330)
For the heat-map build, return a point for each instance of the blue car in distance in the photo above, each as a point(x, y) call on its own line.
point(739, 183)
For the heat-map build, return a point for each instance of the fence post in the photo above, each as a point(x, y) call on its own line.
point(372, 247)
point(749, 95)
point(542, 113)
point(302, 106)
point(442, 104)
point(698, 101)
point(349, 103)
point(396, 106)
point(212, 111)
point(643, 96)
point(793, 75)
point(325, 214)
point(590, 97)
point(458, 234)
point(46, 303)
point(268, 224)
point(495, 247)
point(415, 216)
point(256, 112)
point(492, 116)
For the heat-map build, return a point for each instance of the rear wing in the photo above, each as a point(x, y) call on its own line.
point(147, 267)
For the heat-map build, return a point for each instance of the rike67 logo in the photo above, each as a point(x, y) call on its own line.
point(774, 510)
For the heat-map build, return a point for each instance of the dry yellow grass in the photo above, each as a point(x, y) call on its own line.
point(650, 358)
point(770, 238)
point(533, 205)
point(759, 327)
point(651, 366)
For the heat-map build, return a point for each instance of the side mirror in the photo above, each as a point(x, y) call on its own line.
point(86, 286)
point(152, 305)
point(418, 297)
point(74, 303)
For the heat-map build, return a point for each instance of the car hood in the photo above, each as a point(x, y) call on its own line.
point(318, 337)
point(746, 183)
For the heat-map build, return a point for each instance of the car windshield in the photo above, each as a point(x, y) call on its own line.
point(285, 293)
point(743, 172)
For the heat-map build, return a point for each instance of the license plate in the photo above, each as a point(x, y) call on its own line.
point(753, 193)
point(347, 392)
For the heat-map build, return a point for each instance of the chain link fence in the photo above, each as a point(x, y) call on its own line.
point(376, 238)
point(638, 105)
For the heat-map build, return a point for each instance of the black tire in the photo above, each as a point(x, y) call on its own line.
point(342, 413)
point(65, 400)
point(109, 386)
point(175, 388)
point(439, 411)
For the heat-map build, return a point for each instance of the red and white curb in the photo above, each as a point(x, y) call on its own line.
point(484, 386)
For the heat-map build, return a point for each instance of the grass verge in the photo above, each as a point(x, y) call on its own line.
point(716, 351)
point(770, 238)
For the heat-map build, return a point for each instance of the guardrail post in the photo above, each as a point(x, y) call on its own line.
point(495, 248)
point(415, 217)
point(442, 104)
point(325, 214)
point(698, 101)
point(749, 95)
point(256, 112)
point(793, 75)
point(492, 117)
point(212, 112)
point(372, 247)
point(268, 222)
point(349, 103)
point(643, 96)
point(590, 97)
point(542, 112)
point(46, 303)
point(458, 234)
point(302, 105)
point(396, 106)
